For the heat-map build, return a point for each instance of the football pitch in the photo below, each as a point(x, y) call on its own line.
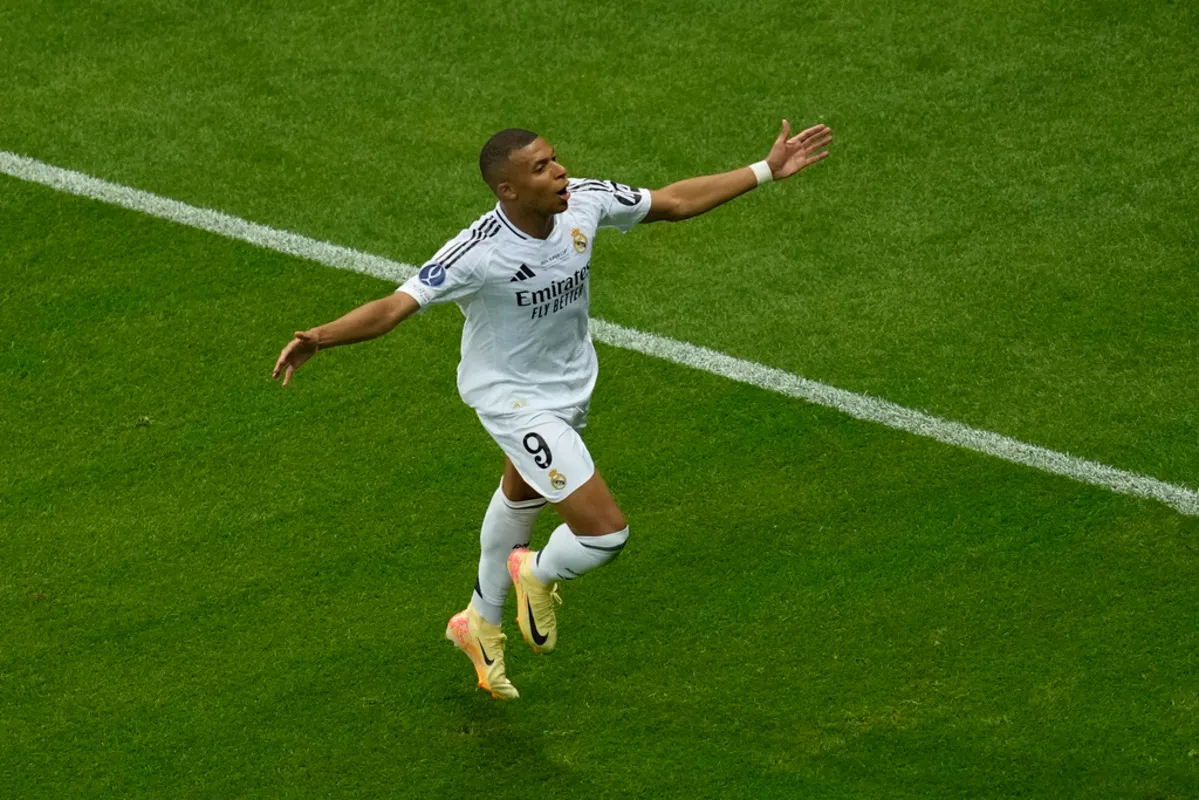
point(214, 587)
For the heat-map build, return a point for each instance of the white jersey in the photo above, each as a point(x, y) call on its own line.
point(526, 342)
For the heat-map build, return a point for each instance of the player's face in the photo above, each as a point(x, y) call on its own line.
point(536, 179)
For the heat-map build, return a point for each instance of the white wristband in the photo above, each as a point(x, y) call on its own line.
point(762, 172)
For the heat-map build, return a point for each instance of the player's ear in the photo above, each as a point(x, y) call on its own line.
point(505, 191)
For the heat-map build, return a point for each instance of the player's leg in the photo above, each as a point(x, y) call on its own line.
point(591, 510)
point(594, 531)
point(593, 534)
point(514, 486)
point(476, 631)
point(549, 454)
point(506, 526)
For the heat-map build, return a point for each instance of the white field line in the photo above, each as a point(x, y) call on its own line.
point(860, 406)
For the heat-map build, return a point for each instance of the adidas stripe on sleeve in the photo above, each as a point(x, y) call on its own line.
point(620, 206)
point(454, 272)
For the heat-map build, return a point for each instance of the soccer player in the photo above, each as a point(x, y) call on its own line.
point(521, 275)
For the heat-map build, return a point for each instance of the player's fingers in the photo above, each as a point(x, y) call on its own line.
point(816, 144)
point(815, 130)
point(279, 363)
point(803, 136)
point(818, 157)
point(288, 373)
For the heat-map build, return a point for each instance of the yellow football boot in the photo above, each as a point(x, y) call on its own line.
point(534, 603)
point(483, 644)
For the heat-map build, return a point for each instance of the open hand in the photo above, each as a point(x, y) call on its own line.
point(790, 153)
point(298, 350)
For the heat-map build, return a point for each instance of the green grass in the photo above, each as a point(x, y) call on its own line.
point(213, 587)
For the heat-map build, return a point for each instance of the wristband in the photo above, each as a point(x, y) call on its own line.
point(762, 172)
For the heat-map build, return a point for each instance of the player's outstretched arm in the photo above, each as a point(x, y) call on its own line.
point(368, 321)
point(695, 196)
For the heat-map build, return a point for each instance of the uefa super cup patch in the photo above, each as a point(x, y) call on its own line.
point(432, 274)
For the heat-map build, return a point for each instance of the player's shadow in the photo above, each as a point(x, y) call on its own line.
point(510, 738)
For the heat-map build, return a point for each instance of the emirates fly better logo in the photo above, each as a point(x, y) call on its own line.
point(555, 297)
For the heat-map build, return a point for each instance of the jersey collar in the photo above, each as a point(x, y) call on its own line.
point(499, 212)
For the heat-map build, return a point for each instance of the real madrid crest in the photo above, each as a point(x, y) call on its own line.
point(557, 479)
point(580, 240)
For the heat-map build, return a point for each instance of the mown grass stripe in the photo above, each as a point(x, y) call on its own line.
point(856, 405)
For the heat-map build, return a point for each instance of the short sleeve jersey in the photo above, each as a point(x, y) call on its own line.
point(526, 343)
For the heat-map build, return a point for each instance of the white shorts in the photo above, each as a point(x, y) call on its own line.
point(545, 447)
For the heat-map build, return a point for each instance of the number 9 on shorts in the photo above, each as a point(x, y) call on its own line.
point(546, 449)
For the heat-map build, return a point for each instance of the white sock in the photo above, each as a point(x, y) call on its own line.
point(567, 556)
point(506, 526)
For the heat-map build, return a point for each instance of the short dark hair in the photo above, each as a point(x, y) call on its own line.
point(495, 153)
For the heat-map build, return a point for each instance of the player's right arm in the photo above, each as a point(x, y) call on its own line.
point(453, 274)
point(368, 321)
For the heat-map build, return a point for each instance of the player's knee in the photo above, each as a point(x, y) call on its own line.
point(609, 518)
point(591, 510)
point(604, 523)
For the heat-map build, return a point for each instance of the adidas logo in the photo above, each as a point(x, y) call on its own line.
point(523, 274)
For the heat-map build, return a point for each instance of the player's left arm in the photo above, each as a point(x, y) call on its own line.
point(695, 196)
